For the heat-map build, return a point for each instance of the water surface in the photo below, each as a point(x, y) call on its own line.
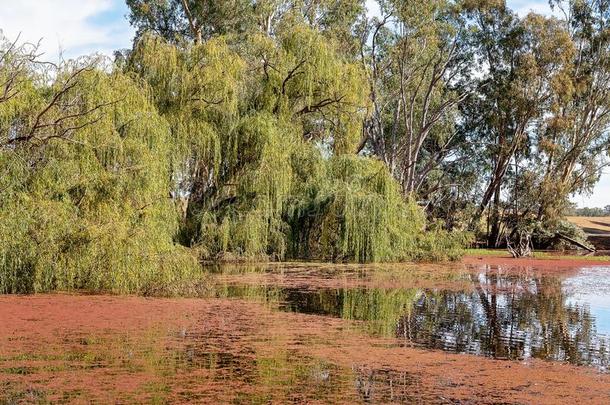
point(504, 313)
point(321, 333)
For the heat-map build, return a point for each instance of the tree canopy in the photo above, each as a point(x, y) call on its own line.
point(297, 129)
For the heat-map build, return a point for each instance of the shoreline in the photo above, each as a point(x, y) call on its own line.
point(540, 259)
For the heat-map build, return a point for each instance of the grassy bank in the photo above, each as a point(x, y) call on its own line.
point(537, 255)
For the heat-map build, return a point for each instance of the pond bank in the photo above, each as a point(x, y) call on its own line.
point(541, 259)
point(540, 263)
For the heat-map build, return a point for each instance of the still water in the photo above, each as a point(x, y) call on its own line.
point(489, 311)
point(321, 333)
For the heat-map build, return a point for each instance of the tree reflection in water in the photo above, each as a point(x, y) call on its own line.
point(505, 313)
point(513, 315)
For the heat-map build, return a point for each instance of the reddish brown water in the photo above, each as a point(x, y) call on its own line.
point(320, 334)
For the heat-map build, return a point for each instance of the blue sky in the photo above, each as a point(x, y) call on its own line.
point(75, 27)
point(68, 27)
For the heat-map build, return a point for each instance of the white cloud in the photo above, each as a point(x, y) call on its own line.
point(524, 7)
point(69, 26)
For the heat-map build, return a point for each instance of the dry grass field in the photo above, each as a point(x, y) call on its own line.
point(592, 225)
point(597, 228)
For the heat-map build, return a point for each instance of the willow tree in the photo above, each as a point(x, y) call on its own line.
point(197, 21)
point(197, 90)
point(85, 184)
point(237, 119)
point(255, 121)
point(353, 210)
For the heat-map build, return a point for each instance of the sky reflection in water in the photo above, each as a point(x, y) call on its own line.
point(493, 312)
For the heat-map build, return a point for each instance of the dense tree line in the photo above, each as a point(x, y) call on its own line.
point(590, 212)
point(297, 129)
point(490, 121)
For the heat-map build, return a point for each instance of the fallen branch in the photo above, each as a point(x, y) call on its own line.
point(575, 242)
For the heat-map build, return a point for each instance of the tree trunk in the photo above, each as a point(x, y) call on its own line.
point(493, 237)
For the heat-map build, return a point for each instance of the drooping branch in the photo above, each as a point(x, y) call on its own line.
point(58, 119)
point(320, 105)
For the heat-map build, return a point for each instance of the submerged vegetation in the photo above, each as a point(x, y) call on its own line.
point(275, 130)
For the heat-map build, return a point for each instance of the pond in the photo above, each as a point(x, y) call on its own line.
point(511, 314)
point(478, 332)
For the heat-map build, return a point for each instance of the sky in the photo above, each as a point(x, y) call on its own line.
point(75, 27)
point(68, 27)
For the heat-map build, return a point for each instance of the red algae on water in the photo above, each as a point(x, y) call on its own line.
point(71, 348)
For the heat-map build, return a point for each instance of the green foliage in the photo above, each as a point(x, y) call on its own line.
point(197, 146)
point(248, 221)
point(589, 211)
point(243, 119)
point(89, 208)
point(546, 234)
point(204, 18)
point(180, 21)
point(354, 211)
point(270, 135)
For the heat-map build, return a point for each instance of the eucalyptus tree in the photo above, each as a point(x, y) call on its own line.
point(200, 20)
point(544, 127)
point(177, 20)
point(525, 62)
point(414, 55)
point(574, 139)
